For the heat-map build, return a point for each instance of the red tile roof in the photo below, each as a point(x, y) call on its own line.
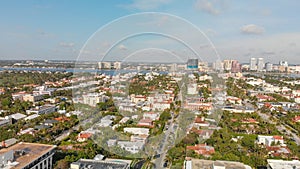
point(202, 149)
point(278, 137)
point(296, 119)
point(84, 135)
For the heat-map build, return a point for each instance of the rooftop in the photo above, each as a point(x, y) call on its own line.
point(283, 164)
point(199, 163)
point(117, 164)
point(32, 152)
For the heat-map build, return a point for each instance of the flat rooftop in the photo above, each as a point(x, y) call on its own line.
point(32, 152)
point(207, 164)
point(95, 164)
point(274, 164)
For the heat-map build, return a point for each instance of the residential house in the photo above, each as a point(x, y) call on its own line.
point(83, 136)
point(139, 138)
point(269, 140)
point(33, 98)
point(263, 98)
point(132, 147)
point(16, 116)
point(45, 109)
point(30, 131)
point(145, 123)
point(202, 149)
point(296, 119)
point(200, 122)
point(151, 115)
point(136, 130)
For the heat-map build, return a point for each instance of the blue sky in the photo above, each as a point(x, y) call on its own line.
point(239, 29)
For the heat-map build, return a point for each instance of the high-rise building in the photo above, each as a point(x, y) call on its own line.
point(173, 67)
point(218, 65)
point(117, 65)
point(283, 63)
point(192, 64)
point(236, 66)
point(227, 65)
point(260, 64)
point(269, 67)
point(253, 65)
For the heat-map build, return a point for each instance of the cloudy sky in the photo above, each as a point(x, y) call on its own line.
point(231, 29)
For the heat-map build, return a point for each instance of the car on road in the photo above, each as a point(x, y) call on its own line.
point(165, 164)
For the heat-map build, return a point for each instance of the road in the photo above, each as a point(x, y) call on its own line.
point(166, 141)
point(282, 127)
point(66, 133)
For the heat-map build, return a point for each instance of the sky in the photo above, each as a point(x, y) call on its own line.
point(72, 29)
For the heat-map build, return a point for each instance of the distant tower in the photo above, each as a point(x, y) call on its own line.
point(192, 64)
point(269, 67)
point(236, 66)
point(227, 65)
point(253, 64)
point(174, 67)
point(283, 63)
point(218, 65)
point(260, 64)
point(117, 65)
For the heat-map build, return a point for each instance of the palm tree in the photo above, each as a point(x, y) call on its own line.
point(148, 164)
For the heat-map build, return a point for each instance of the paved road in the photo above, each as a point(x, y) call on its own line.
point(66, 133)
point(159, 162)
point(166, 141)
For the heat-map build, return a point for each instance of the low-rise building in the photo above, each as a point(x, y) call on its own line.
point(136, 130)
point(269, 140)
point(202, 149)
point(4, 122)
point(43, 90)
point(161, 106)
point(192, 89)
point(33, 98)
point(192, 163)
point(30, 131)
point(31, 117)
point(132, 147)
point(101, 164)
point(139, 138)
point(93, 98)
point(200, 122)
point(278, 164)
point(151, 115)
point(145, 123)
point(46, 109)
point(16, 116)
point(27, 155)
point(296, 119)
point(84, 136)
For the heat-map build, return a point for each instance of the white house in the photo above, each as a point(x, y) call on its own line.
point(136, 130)
point(192, 89)
point(151, 115)
point(268, 140)
point(132, 147)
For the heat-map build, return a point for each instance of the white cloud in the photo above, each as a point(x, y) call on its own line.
point(252, 29)
point(146, 4)
point(207, 6)
point(67, 45)
point(122, 47)
point(211, 32)
point(210, 6)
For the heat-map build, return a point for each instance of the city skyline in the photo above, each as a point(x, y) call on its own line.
point(39, 30)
